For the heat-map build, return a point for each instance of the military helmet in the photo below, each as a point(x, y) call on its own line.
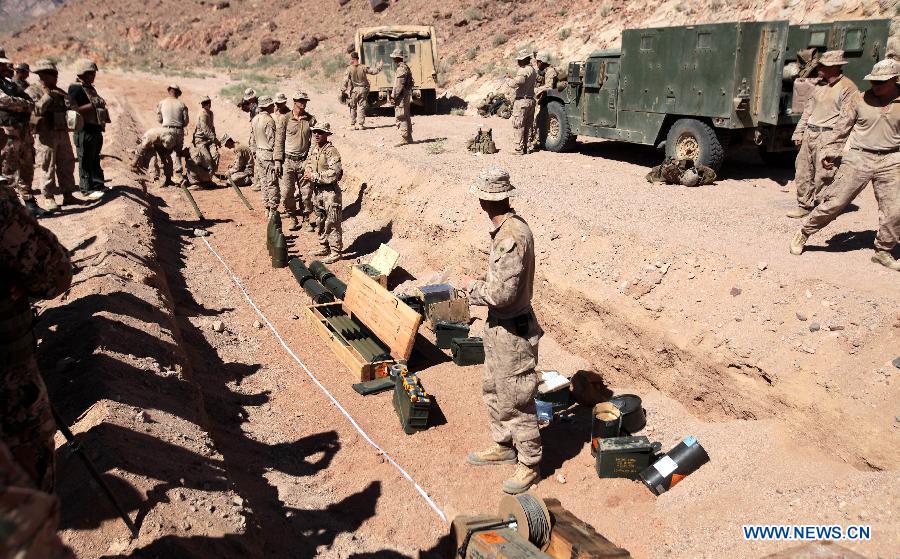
point(883, 70)
point(523, 55)
point(44, 66)
point(690, 177)
point(397, 53)
point(300, 96)
point(22, 67)
point(84, 66)
point(493, 184)
point(281, 99)
point(265, 101)
point(544, 57)
point(323, 128)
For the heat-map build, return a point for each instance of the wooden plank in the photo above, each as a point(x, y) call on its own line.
point(389, 318)
point(570, 538)
point(348, 355)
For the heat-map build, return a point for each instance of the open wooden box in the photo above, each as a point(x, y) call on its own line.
point(392, 321)
point(381, 265)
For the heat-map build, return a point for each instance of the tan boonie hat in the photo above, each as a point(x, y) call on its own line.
point(324, 128)
point(205, 99)
point(225, 138)
point(44, 66)
point(883, 70)
point(523, 55)
point(249, 93)
point(265, 101)
point(22, 67)
point(832, 58)
point(397, 53)
point(301, 96)
point(281, 98)
point(175, 87)
point(493, 184)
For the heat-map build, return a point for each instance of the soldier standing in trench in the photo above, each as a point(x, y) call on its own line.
point(89, 140)
point(511, 336)
point(356, 86)
point(522, 86)
point(401, 97)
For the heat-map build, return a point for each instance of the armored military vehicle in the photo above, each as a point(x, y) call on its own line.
point(418, 43)
point(698, 89)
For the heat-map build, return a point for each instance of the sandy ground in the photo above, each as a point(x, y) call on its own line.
point(685, 296)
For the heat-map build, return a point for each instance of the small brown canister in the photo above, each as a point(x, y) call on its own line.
point(606, 422)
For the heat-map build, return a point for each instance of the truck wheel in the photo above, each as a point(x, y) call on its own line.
point(692, 139)
point(558, 136)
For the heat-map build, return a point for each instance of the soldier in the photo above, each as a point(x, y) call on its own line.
point(21, 77)
point(205, 138)
point(401, 96)
point(545, 80)
point(262, 141)
point(293, 139)
point(815, 128)
point(157, 142)
point(511, 336)
point(172, 113)
point(250, 103)
point(89, 140)
point(356, 87)
point(281, 108)
point(323, 170)
point(51, 131)
point(241, 170)
point(18, 156)
point(198, 169)
point(32, 265)
point(871, 120)
point(522, 86)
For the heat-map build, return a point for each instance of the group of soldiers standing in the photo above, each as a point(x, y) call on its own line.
point(356, 88)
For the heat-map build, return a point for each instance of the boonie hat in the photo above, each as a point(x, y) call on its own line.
point(397, 53)
point(281, 98)
point(523, 55)
point(354, 55)
point(883, 70)
point(324, 128)
point(300, 96)
point(175, 87)
point(493, 184)
point(44, 66)
point(265, 101)
point(249, 93)
point(22, 67)
point(832, 58)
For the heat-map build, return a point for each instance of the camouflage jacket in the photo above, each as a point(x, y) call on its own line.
point(50, 106)
point(546, 80)
point(205, 131)
point(262, 136)
point(403, 83)
point(672, 172)
point(355, 76)
point(522, 84)
point(325, 165)
point(14, 102)
point(243, 159)
point(509, 284)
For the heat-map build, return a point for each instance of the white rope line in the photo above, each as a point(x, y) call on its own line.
point(321, 386)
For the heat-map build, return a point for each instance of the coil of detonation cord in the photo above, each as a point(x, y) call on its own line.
point(531, 516)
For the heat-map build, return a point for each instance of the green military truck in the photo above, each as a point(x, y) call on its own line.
point(419, 45)
point(698, 89)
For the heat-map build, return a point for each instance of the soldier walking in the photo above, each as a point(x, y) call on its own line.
point(522, 86)
point(172, 113)
point(511, 336)
point(356, 87)
point(323, 170)
point(157, 142)
point(293, 140)
point(89, 140)
point(21, 76)
point(546, 77)
point(814, 130)
point(401, 97)
point(51, 132)
point(17, 163)
point(262, 140)
point(240, 172)
point(871, 120)
point(205, 138)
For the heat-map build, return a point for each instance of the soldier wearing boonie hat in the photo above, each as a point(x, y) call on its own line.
point(262, 140)
point(17, 158)
point(401, 97)
point(522, 86)
point(511, 336)
point(205, 138)
point(172, 113)
point(323, 170)
point(814, 130)
point(356, 87)
point(870, 128)
point(293, 141)
point(89, 140)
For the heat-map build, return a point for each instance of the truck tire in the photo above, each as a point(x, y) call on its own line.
point(689, 138)
point(558, 136)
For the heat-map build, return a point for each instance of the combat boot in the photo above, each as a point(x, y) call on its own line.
point(35, 210)
point(493, 455)
point(311, 227)
point(798, 242)
point(332, 258)
point(50, 204)
point(293, 224)
point(522, 479)
point(884, 258)
point(321, 251)
point(70, 200)
point(798, 212)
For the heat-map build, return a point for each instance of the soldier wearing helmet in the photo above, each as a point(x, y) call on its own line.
point(545, 80)
point(17, 157)
point(89, 140)
point(22, 71)
point(522, 86)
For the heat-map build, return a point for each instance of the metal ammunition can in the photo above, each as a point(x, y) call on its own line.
point(624, 457)
point(445, 332)
point(467, 351)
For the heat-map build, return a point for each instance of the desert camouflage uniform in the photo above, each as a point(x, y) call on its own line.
point(241, 170)
point(205, 138)
point(173, 114)
point(198, 167)
point(325, 165)
point(815, 131)
point(293, 139)
point(874, 156)
point(523, 105)
point(402, 94)
point(545, 81)
point(262, 141)
point(357, 86)
point(18, 156)
point(53, 148)
point(22, 84)
point(29, 517)
point(158, 143)
point(511, 337)
point(32, 261)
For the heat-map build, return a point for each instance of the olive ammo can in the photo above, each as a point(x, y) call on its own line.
point(467, 351)
point(624, 456)
point(446, 331)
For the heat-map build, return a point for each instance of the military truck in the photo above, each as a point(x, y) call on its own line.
point(418, 43)
point(698, 89)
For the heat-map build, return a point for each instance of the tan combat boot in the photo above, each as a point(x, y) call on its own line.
point(494, 454)
point(332, 258)
point(293, 224)
point(798, 242)
point(884, 258)
point(322, 251)
point(50, 204)
point(798, 212)
point(522, 479)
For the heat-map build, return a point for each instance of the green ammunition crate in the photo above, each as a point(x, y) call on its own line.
point(445, 331)
point(413, 415)
point(624, 456)
point(467, 351)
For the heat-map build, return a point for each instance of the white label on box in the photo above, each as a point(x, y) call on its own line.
point(665, 466)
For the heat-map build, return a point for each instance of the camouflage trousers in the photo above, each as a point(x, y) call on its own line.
point(211, 153)
point(56, 160)
point(359, 101)
point(403, 116)
point(241, 178)
point(150, 152)
point(522, 120)
point(17, 160)
point(26, 424)
point(29, 517)
point(292, 185)
point(540, 113)
point(179, 146)
point(857, 169)
point(266, 179)
point(810, 177)
point(508, 388)
point(328, 203)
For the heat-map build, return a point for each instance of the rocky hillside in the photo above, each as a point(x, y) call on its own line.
point(16, 13)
